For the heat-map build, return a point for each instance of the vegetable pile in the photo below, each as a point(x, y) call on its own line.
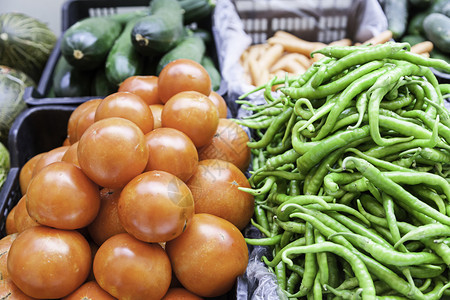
point(140, 201)
point(350, 175)
point(99, 53)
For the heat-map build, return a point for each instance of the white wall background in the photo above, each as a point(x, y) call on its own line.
point(47, 11)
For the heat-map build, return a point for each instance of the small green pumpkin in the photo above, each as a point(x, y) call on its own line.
point(25, 43)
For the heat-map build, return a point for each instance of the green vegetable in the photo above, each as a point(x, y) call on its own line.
point(196, 10)
point(86, 44)
point(25, 43)
point(4, 164)
point(161, 30)
point(100, 84)
point(214, 74)
point(191, 47)
point(396, 12)
point(123, 60)
point(12, 87)
point(413, 39)
point(437, 30)
point(69, 81)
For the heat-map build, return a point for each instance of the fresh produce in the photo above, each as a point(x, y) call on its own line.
point(12, 88)
point(69, 81)
point(86, 44)
point(348, 158)
point(4, 164)
point(196, 10)
point(437, 29)
point(136, 205)
point(25, 43)
point(161, 30)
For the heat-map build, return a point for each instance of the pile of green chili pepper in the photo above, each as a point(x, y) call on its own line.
point(350, 175)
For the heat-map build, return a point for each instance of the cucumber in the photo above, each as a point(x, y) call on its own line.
point(125, 17)
point(69, 81)
point(396, 12)
point(161, 30)
point(100, 85)
point(86, 44)
point(413, 39)
point(123, 60)
point(214, 74)
point(415, 25)
point(437, 30)
point(191, 47)
point(196, 10)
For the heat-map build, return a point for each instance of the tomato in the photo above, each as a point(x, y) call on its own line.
point(209, 256)
point(172, 151)
point(112, 152)
point(49, 263)
point(192, 113)
point(89, 291)
point(156, 112)
point(22, 219)
point(128, 106)
point(145, 86)
point(26, 172)
point(215, 189)
point(131, 269)
point(155, 206)
point(49, 157)
point(107, 222)
point(71, 155)
point(75, 116)
point(62, 196)
point(229, 144)
point(183, 75)
point(8, 290)
point(180, 294)
point(220, 103)
point(10, 225)
point(5, 245)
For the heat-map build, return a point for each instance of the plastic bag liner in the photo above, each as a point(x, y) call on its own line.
point(238, 24)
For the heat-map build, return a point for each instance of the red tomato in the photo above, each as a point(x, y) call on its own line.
point(180, 294)
point(192, 113)
point(220, 103)
point(209, 256)
point(229, 144)
point(27, 172)
point(183, 75)
point(5, 245)
point(145, 87)
point(10, 225)
point(8, 290)
point(156, 112)
point(62, 196)
point(131, 269)
point(71, 155)
point(49, 157)
point(74, 117)
point(215, 189)
point(112, 152)
point(128, 106)
point(155, 206)
point(89, 291)
point(172, 151)
point(86, 119)
point(107, 222)
point(49, 263)
point(22, 219)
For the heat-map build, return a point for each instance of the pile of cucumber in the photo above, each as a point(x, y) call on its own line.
point(415, 21)
point(98, 53)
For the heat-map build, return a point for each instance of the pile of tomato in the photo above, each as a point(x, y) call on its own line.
point(141, 201)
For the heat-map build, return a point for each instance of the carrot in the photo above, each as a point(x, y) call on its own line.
point(341, 42)
point(295, 45)
point(380, 38)
point(270, 56)
point(423, 47)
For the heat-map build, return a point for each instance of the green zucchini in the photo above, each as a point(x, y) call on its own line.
point(396, 12)
point(214, 74)
point(69, 81)
point(437, 30)
point(415, 25)
point(86, 44)
point(161, 30)
point(196, 10)
point(123, 60)
point(100, 85)
point(413, 39)
point(191, 47)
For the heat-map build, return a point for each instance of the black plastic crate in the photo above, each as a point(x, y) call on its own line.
point(75, 10)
